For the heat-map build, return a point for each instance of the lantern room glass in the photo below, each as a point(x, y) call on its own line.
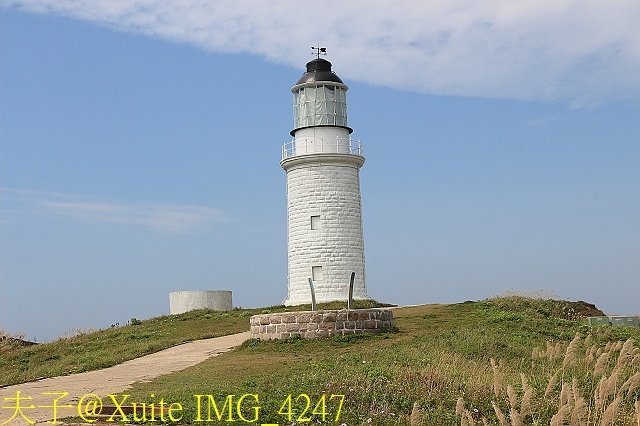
point(319, 105)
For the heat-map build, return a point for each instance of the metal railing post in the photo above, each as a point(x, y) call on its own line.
point(350, 300)
point(313, 295)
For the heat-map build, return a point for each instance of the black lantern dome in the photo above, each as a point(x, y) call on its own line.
point(319, 70)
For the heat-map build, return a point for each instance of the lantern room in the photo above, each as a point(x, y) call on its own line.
point(319, 98)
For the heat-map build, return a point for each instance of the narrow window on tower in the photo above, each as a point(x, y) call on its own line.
point(316, 273)
point(315, 222)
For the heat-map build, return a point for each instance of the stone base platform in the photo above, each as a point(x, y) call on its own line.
point(311, 325)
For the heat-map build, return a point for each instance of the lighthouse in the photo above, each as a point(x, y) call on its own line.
point(324, 212)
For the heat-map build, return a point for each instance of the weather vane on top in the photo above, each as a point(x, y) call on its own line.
point(319, 51)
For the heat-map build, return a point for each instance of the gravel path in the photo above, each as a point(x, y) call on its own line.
point(110, 380)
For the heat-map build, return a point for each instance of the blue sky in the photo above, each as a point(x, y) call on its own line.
point(140, 146)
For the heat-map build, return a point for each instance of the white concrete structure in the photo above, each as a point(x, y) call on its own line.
point(324, 211)
point(185, 301)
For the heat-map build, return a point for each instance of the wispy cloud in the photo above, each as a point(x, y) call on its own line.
point(578, 51)
point(171, 218)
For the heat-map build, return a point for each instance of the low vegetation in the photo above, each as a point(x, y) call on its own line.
point(507, 361)
point(22, 361)
point(503, 361)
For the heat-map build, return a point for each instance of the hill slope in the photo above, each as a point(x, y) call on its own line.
point(500, 361)
point(504, 361)
point(23, 361)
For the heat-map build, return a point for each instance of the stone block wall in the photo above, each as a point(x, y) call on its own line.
point(329, 188)
point(318, 324)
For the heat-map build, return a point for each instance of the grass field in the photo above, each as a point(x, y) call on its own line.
point(504, 361)
point(104, 348)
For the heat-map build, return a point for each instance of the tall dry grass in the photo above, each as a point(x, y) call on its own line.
point(11, 340)
point(587, 384)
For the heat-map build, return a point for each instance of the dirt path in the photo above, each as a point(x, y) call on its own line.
point(112, 380)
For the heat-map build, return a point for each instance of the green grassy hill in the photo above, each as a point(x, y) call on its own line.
point(511, 361)
point(22, 361)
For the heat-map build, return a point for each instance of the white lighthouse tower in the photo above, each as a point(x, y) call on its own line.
point(324, 212)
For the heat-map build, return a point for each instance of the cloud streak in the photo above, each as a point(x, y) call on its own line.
point(577, 51)
point(169, 218)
